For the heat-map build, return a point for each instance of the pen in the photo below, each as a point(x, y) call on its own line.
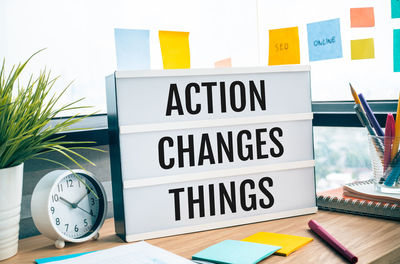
point(370, 115)
point(395, 146)
point(328, 238)
point(393, 174)
point(364, 122)
point(363, 119)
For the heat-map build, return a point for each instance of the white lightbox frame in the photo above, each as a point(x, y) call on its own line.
point(135, 102)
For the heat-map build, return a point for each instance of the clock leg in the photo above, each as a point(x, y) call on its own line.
point(59, 243)
point(95, 237)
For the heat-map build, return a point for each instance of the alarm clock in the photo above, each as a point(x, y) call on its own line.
point(69, 206)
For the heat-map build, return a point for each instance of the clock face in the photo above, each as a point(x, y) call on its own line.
point(74, 209)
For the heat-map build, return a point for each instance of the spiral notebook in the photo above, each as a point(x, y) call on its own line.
point(336, 200)
point(366, 190)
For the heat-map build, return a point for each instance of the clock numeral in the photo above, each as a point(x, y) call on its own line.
point(52, 209)
point(60, 187)
point(76, 228)
point(57, 221)
point(69, 183)
point(66, 227)
point(85, 222)
point(91, 212)
point(79, 183)
point(91, 201)
point(54, 198)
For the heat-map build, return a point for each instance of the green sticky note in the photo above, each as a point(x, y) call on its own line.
point(395, 8)
point(396, 50)
point(235, 252)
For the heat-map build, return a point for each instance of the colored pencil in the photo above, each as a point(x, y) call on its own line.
point(355, 96)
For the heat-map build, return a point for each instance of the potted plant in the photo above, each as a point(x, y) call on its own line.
point(25, 133)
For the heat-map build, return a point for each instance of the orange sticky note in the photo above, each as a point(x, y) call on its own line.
point(175, 49)
point(284, 46)
point(225, 63)
point(362, 17)
point(362, 49)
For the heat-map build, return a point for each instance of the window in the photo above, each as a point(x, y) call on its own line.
point(79, 37)
point(374, 77)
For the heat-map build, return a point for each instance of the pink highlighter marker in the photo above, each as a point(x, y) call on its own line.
point(388, 141)
point(328, 238)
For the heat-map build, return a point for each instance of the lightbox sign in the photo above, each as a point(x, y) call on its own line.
point(194, 150)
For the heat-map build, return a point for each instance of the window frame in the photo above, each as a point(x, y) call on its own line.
point(326, 113)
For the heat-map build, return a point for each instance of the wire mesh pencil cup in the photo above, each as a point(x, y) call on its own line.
point(386, 170)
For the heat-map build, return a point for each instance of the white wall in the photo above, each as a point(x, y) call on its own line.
point(79, 35)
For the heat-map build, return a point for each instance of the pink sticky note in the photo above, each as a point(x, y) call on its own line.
point(225, 63)
point(362, 17)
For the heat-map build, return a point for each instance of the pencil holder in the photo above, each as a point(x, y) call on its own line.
point(385, 163)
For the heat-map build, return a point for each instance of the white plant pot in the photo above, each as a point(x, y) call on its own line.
point(10, 208)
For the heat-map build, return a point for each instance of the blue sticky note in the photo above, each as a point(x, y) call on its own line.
point(395, 8)
point(235, 252)
point(324, 40)
point(396, 50)
point(51, 259)
point(133, 49)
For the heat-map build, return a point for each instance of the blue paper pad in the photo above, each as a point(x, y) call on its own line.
point(133, 49)
point(51, 259)
point(232, 251)
point(324, 40)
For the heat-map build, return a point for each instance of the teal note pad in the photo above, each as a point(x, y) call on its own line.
point(51, 259)
point(324, 40)
point(395, 8)
point(235, 252)
point(396, 50)
point(132, 48)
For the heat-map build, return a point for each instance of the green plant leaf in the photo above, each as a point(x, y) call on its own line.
point(25, 114)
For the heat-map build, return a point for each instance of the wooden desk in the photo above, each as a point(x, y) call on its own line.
point(371, 239)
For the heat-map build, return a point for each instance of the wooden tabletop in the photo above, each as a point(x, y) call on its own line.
point(372, 240)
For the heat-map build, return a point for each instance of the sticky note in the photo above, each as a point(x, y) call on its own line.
point(324, 40)
point(235, 252)
point(58, 258)
point(132, 48)
point(175, 49)
point(395, 8)
point(225, 63)
point(362, 49)
point(362, 17)
point(284, 46)
point(288, 243)
point(396, 50)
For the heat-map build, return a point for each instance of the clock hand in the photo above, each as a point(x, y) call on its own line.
point(87, 192)
point(74, 205)
point(68, 202)
point(84, 210)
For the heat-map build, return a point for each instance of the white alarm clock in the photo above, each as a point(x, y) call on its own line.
point(65, 208)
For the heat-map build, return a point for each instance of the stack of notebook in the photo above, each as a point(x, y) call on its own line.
point(360, 198)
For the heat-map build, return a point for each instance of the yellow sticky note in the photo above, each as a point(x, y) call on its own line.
point(226, 63)
point(175, 49)
point(362, 49)
point(284, 46)
point(288, 243)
